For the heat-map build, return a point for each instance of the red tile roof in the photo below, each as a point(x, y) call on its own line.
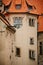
point(6, 2)
point(37, 8)
point(17, 1)
point(40, 26)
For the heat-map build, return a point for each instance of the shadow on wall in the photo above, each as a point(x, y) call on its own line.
point(2, 62)
point(2, 54)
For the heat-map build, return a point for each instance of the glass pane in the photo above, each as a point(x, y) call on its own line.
point(18, 6)
point(18, 22)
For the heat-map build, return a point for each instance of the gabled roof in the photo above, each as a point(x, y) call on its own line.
point(3, 18)
point(36, 4)
point(24, 7)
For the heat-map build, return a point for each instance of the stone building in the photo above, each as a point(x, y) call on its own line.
point(20, 47)
point(40, 41)
point(40, 48)
point(6, 40)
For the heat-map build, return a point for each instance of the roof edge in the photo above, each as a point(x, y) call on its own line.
point(40, 31)
point(23, 13)
point(8, 24)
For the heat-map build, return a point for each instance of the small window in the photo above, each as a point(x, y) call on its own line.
point(18, 52)
point(41, 48)
point(31, 41)
point(0, 10)
point(0, 3)
point(18, 22)
point(31, 22)
point(18, 6)
point(6, 8)
point(30, 7)
point(32, 54)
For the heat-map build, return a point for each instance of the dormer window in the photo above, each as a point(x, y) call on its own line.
point(18, 6)
point(30, 7)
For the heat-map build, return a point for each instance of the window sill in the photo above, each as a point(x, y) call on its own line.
point(32, 58)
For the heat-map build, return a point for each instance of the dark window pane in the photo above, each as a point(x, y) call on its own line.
point(41, 48)
point(30, 7)
point(31, 41)
point(18, 6)
point(31, 22)
point(31, 54)
point(41, 43)
point(18, 52)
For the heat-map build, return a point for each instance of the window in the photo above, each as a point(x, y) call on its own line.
point(0, 2)
point(37, 25)
point(30, 7)
point(31, 22)
point(18, 6)
point(18, 22)
point(0, 10)
point(31, 41)
point(32, 54)
point(41, 48)
point(18, 52)
point(6, 8)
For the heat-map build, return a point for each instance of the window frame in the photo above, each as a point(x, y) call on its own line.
point(41, 48)
point(31, 40)
point(18, 52)
point(30, 7)
point(32, 54)
point(17, 22)
point(31, 22)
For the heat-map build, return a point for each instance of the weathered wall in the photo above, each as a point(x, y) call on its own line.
point(6, 43)
point(22, 40)
point(40, 57)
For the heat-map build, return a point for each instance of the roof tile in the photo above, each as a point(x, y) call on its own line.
point(38, 4)
point(17, 1)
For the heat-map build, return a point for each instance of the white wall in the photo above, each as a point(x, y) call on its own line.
point(6, 40)
point(22, 37)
